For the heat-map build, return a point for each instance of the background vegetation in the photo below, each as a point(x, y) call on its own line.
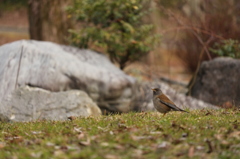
point(115, 27)
point(201, 25)
point(189, 28)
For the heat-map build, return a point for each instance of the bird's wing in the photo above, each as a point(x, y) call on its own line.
point(165, 100)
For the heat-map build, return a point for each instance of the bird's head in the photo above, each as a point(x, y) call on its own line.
point(156, 91)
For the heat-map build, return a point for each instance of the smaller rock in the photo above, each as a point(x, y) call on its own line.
point(4, 118)
point(217, 82)
point(28, 103)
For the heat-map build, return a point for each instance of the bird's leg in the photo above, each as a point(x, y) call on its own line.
point(163, 115)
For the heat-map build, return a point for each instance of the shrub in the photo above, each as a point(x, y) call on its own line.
point(114, 27)
point(229, 48)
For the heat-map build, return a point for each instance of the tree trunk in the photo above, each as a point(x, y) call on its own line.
point(48, 20)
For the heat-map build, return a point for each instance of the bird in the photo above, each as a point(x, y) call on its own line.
point(162, 103)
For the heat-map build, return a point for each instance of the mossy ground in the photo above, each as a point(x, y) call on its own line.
point(199, 134)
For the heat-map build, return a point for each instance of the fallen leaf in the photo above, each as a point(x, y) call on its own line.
point(80, 135)
point(105, 144)
point(219, 136)
point(122, 126)
point(15, 139)
point(36, 155)
point(118, 147)
point(235, 134)
point(200, 148)
point(163, 145)
point(2, 145)
point(155, 132)
point(77, 129)
point(71, 118)
point(177, 141)
point(50, 144)
point(111, 133)
point(227, 105)
point(137, 153)
point(208, 113)
point(185, 135)
point(85, 143)
point(210, 147)
point(136, 138)
point(36, 132)
point(58, 153)
point(110, 156)
point(191, 151)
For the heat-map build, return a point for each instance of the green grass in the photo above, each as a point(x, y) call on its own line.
point(200, 134)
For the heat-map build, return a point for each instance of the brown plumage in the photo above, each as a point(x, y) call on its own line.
point(162, 103)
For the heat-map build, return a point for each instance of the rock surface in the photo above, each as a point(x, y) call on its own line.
point(27, 104)
point(56, 68)
point(143, 98)
point(218, 81)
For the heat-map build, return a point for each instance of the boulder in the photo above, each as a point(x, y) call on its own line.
point(28, 103)
point(57, 68)
point(143, 98)
point(218, 82)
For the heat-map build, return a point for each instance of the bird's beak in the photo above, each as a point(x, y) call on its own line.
point(153, 89)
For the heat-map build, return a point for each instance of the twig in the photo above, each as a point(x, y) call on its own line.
point(192, 82)
point(19, 65)
point(194, 33)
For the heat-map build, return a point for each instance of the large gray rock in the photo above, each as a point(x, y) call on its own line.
point(218, 81)
point(27, 104)
point(60, 68)
point(143, 98)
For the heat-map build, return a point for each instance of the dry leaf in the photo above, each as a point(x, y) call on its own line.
point(77, 129)
point(50, 144)
point(219, 136)
point(85, 143)
point(36, 132)
point(137, 153)
point(163, 145)
point(118, 147)
point(210, 147)
point(235, 134)
point(58, 153)
point(2, 145)
point(71, 118)
point(105, 144)
point(80, 135)
point(136, 138)
point(110, 156)
point(191, 151)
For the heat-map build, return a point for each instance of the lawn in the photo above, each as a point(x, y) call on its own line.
point(199, 134)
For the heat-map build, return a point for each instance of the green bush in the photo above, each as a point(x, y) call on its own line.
point(115, 27)
point(229, 48)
